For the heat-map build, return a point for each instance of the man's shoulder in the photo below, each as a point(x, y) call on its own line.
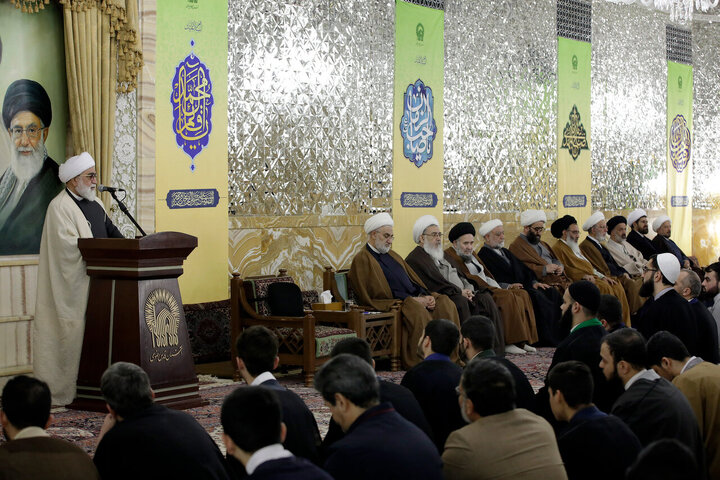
point(289, 468)
point(702, 372)
point(417, 254)
point(42, 445)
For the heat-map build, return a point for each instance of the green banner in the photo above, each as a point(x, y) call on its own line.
point(679, 150)
point(573, 129)
point(417, 118)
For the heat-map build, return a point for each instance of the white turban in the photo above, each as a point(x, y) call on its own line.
point(489, 226)
point(635, 215)
point(593, 220)
point(657, 223)
point(528, 217)
point(668, 265)
point(422, 223)
point(378, 221)
point(74, 166)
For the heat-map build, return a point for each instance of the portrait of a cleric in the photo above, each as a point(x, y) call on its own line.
point(31, 180)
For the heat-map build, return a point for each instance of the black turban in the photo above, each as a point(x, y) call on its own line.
point(586, 294)
point(615, 221)
point(461, 229)
point(561, 224)
point(26, 95)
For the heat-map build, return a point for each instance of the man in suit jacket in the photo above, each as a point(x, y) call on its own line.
point(666, 309)
point(651, 406)
point(433, 380)
point(439, 276)
point(510, 271)
point(699, 381)
point(30, 451)
point(257, 356)
point(501, 441)
point(581, 302)
point(638, 222)
point(253, 433)
point(402, 399)
point(589, 430)
point(378, 443)
point(689, 286)
point(476, 336)
point(603, 261)
point(514, 304)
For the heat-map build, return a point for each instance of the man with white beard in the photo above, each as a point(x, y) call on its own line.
point(439, 276)
point(30, 181)
point(624, 254)
point(62, 291)
point(578, 267)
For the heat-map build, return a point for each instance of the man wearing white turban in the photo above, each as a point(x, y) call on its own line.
point(662, 243)
point(382, 280)
point(437, 273)
point(63, 284)
point(638, 222)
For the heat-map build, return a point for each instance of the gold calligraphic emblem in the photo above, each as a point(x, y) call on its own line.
point(574, 136)
point(162, 316)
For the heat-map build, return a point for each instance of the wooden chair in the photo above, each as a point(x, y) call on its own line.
point(303, 340)
point(380, 329)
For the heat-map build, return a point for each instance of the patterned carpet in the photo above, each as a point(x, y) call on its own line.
point(82, 427)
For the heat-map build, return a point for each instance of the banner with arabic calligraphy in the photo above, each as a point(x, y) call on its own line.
point(417, 118)
point(679, 151)
point(191, 138)
point(573, 129)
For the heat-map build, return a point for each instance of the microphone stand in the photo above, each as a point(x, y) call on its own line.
point(124, 209)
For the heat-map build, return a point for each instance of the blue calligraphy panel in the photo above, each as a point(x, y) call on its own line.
point(418, 199)
point(574, 201)
point(417, 126)
point(198, 198)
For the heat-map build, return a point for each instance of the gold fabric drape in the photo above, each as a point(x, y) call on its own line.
point(102, 57)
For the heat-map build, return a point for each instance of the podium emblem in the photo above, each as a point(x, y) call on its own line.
point(162, 316)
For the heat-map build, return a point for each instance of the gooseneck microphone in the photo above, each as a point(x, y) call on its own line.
point(103, 188)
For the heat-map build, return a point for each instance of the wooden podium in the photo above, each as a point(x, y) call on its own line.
point(135, 315)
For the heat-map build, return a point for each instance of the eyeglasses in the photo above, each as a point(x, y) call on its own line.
point(646, 269)
point(388, 236)
point(434, 234)
point(32, 132)
point(537, 229)
point(91, 176)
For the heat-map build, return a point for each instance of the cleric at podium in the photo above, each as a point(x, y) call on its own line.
point(63, 283)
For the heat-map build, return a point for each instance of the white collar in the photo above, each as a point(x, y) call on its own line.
point(716, 298)
point(31, 432)
point(686, 364)
point(594, 239)
point(76, 197)
point(642, 375)
point(373, 249)
point(662, 292)
point(262, 378)
point(265, 454)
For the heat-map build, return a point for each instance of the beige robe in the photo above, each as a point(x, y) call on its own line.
point(62, 295)
point(526, 254)
point(368, 281)
point(630, 285)
point(627, 256)
point(515, 305)
point(576, 268)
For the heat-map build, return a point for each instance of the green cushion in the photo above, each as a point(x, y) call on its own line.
point(325, 337)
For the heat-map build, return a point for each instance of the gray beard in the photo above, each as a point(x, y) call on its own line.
point(25, 168)
point(498, 246)
point(601, 238)
point(573, 246)
point(465, 257)
point(381, 247)
point(435, 252)
point(88, 193)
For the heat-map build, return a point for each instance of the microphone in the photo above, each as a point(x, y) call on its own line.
point(103, 188)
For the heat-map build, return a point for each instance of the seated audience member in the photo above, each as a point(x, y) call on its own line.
point(581, 301)
point(30, 452)
point(433, 267)
point(402, 399)
point(513, 303)
point(638, 222)
point(257, 357)
point(610, 313)
point(700, 383)
point(602, 260)
point(378, 443)
point(627, 256)
point(476, 336)
point(651, 406)
point(141, 439)
point(689, 286)
point(509, 271)
point(253, 433)
point(665, 459)
point(594, 445)
point(711, 290)
point(666, 309)
point(501, 441)
point(662, 243)
point(381, 279)
point(433, 380)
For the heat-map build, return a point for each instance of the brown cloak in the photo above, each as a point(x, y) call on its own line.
point(527, 254)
